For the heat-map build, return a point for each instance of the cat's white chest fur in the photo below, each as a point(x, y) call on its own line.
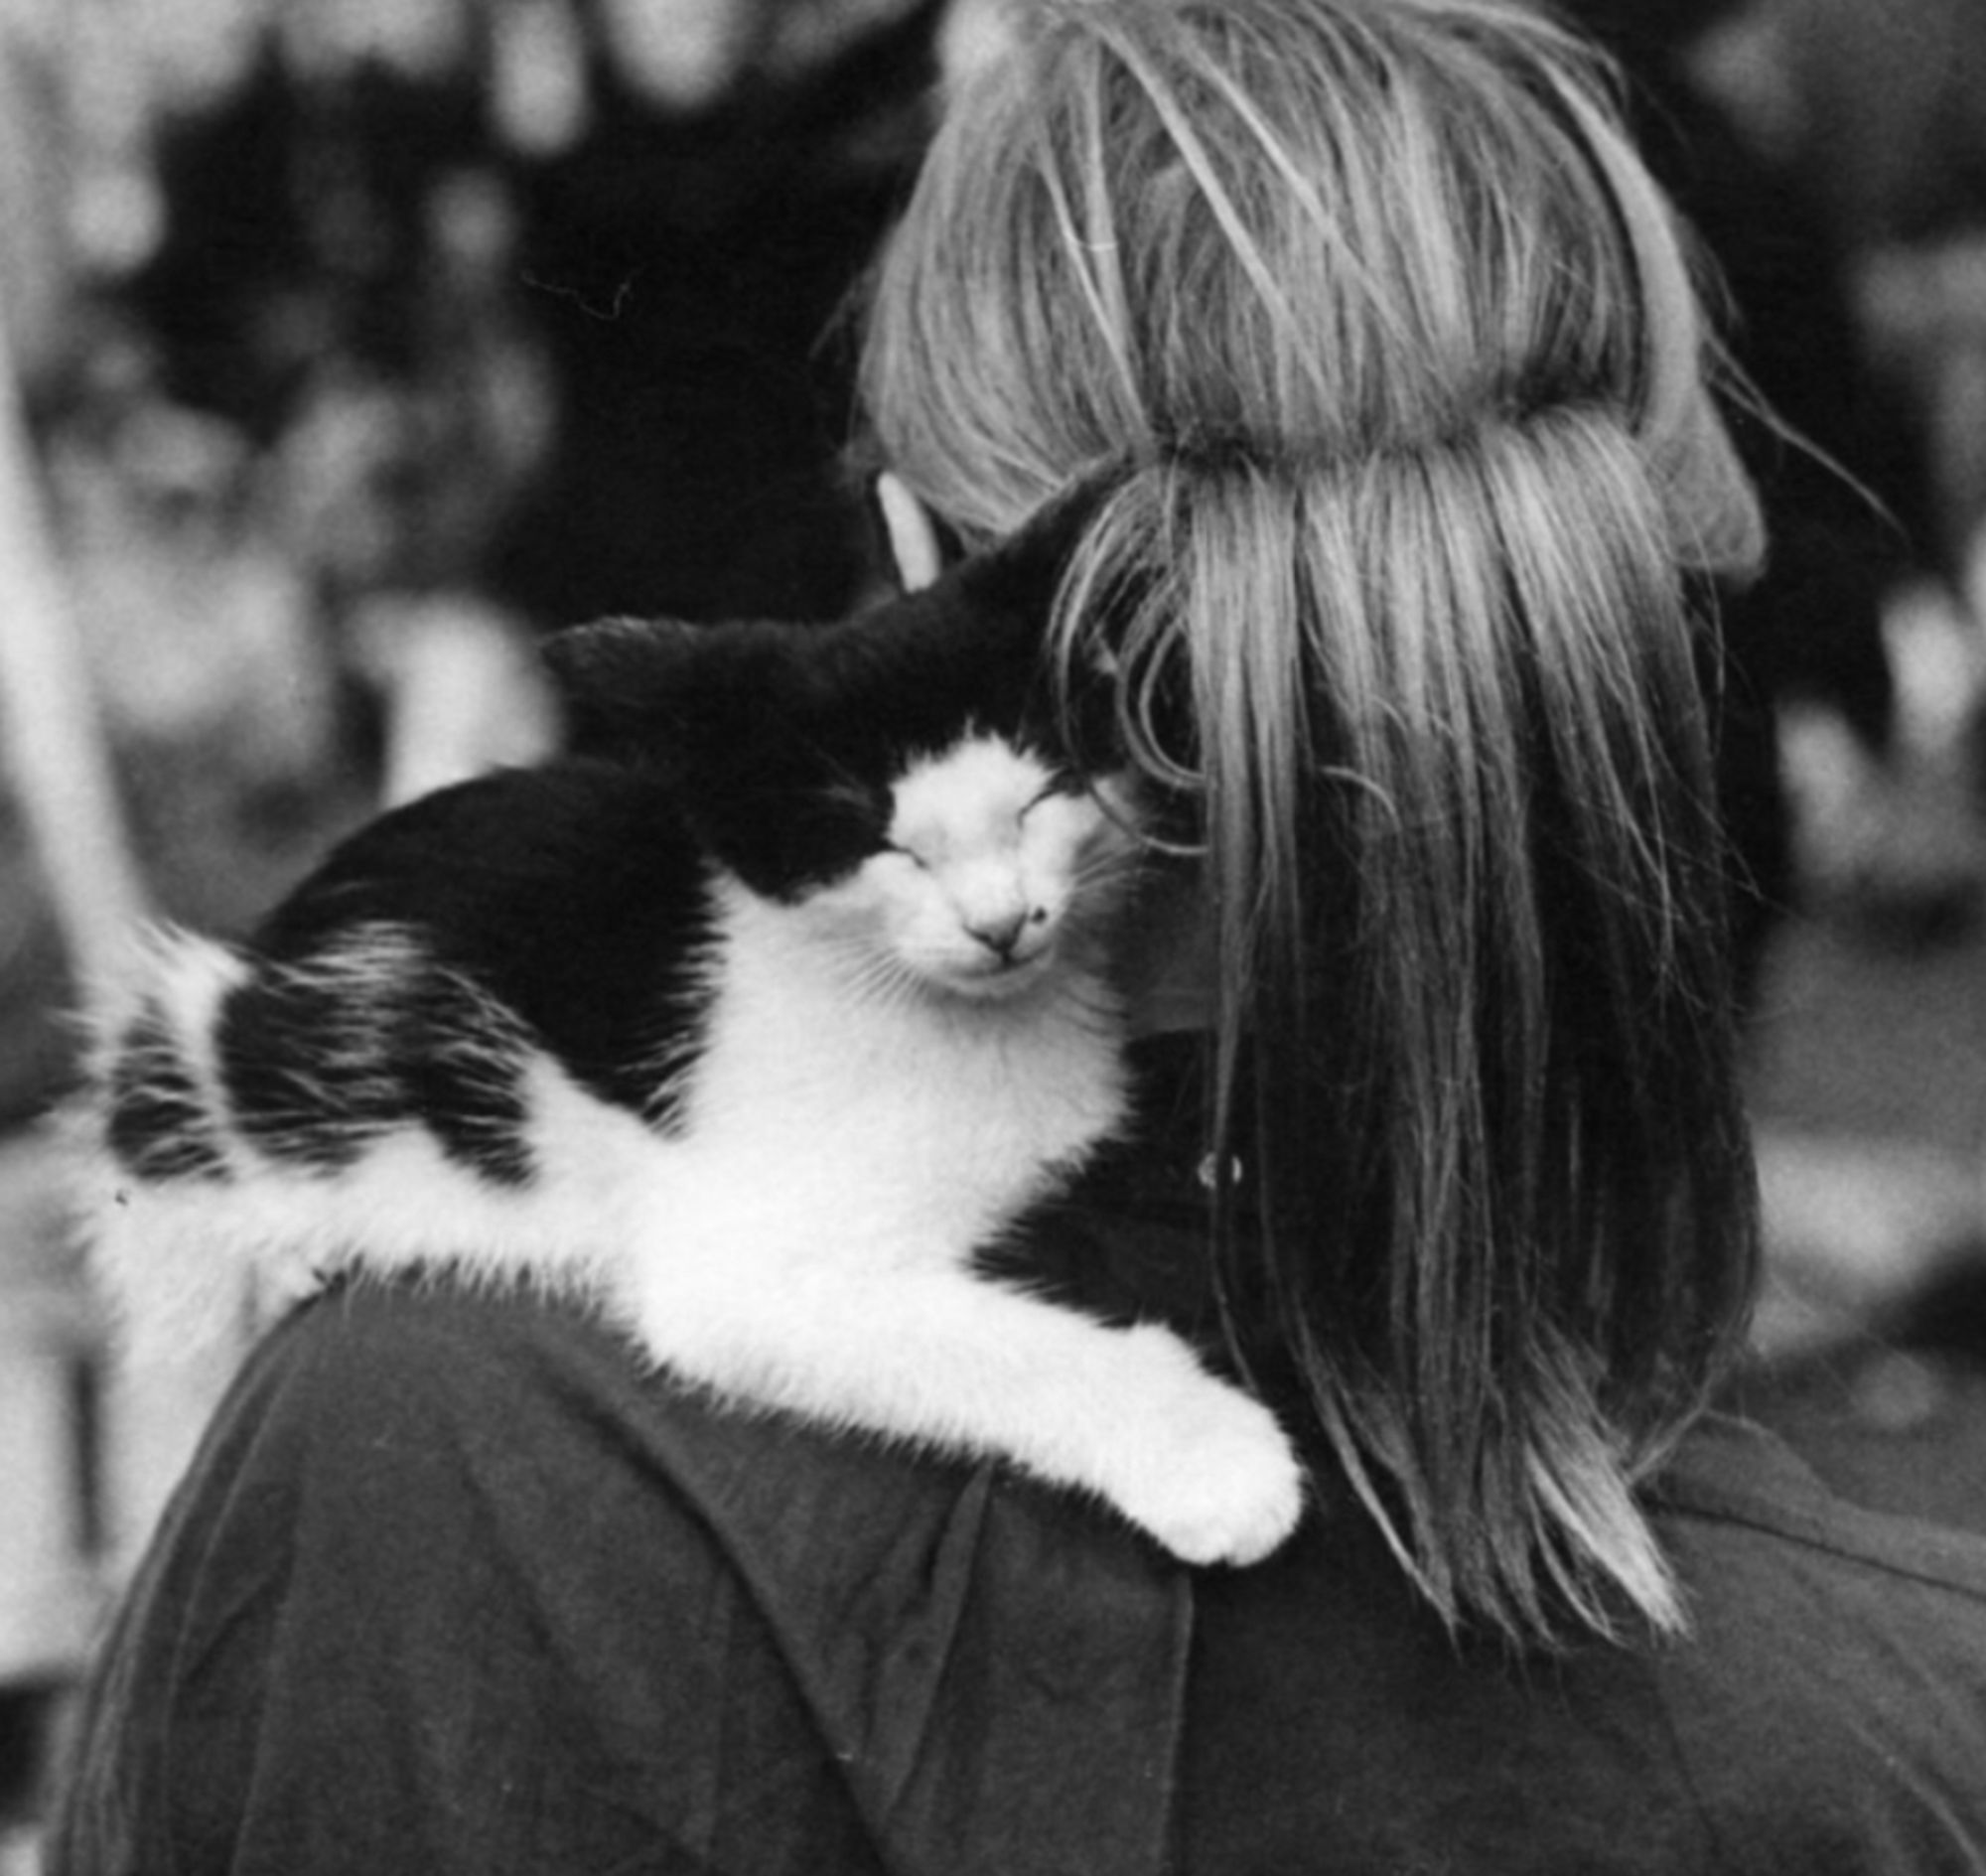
point(889, 1101)
point(849, 1142)
point(926, 1045)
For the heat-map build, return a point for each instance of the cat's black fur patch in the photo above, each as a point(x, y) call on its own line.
point(411, 1043)
point(571, 896)
point(159, 1126)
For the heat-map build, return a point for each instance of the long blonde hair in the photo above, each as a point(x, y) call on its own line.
point(1403, 347)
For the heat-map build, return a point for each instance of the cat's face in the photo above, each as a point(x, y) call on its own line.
point(991, 869)
point(884, 766)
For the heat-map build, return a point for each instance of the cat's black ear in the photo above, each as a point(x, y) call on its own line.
point(626, 684)
point(696, 700)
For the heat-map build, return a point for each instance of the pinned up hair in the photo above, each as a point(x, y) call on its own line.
point(1403, 346)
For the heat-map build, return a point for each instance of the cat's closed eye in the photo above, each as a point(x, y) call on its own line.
point(1056, 790)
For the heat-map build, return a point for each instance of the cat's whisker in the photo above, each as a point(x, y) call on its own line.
point(1102, 863)
point(877, 975)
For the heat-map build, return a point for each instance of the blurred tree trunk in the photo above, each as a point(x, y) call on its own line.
point(50, 739)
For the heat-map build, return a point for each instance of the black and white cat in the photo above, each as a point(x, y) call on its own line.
point(755, 1019)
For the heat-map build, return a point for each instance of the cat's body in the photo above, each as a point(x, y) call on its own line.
point(756, 1026)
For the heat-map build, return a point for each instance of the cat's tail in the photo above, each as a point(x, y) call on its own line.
point(146, 1145)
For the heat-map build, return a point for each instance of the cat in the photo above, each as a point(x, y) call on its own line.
point(755, 1018)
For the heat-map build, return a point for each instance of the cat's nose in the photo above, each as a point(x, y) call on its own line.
point(1000, 934)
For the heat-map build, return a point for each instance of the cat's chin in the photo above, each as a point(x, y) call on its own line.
point(989, 983)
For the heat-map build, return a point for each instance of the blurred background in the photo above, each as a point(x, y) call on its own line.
point(347, 346)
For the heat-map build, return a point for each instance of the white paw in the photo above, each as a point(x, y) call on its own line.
point(1217, 1479)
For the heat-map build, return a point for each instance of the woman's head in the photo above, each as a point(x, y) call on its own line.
point(1303, 226)
point(1401, 348)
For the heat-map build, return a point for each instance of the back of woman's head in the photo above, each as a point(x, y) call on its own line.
point(1403, 351)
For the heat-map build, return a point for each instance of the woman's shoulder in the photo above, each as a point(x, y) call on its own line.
point(495, 1485)
point(391, 1397)
point(377, 1388)
point(427, 1600)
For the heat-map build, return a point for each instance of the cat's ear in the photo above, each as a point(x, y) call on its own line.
point(627, 686)
point(696, 700)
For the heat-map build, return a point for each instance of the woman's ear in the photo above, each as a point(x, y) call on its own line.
point(915, 550)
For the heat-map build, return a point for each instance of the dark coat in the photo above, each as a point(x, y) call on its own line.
point(455, 1587)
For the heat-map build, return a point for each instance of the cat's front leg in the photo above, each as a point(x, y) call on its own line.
point(1201, 1465)
point(943, 1360)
